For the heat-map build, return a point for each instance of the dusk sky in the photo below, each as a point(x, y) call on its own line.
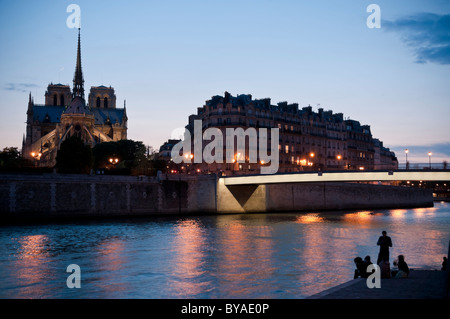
point(166, 58)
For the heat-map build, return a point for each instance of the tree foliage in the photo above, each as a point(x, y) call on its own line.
point(129, 153)
point(11, 159)
point(74, 157)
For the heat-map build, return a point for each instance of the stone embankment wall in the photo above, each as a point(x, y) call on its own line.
point(57, 195)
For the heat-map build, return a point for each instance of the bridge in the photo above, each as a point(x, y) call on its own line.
point(318, 177)
point(335, 190)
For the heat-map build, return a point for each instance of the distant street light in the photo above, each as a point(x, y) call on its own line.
point(36, 157)
point(114, 161)
point(339, 157)
point(429, 158)
point(406, 163)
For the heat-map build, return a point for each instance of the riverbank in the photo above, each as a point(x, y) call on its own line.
point(24, 196)
point(421, 284)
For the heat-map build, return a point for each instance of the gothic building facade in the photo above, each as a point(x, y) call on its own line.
point(66, 113)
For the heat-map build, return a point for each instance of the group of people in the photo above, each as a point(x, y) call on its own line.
point(401, 270)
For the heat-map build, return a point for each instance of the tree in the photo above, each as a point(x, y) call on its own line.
point(74, 157)
point(103, 152)
point(9, 156)
point(129, 153)
point(11, 159)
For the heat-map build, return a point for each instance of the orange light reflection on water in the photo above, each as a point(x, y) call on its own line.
point(398, 213)
point(110, 260)
point(246, 257)
point(362, 218)
point(31, 268)
point(189, 242)
point(309, 219)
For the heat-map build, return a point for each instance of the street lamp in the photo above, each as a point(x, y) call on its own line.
point(406, 154)
point(429, 159)
point(339, 157)
point(36, 157)
point(114, 161)
point(311, 155)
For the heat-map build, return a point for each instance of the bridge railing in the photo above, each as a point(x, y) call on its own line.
point(442, 165)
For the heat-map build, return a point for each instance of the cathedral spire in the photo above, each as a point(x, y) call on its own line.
point(78, 81)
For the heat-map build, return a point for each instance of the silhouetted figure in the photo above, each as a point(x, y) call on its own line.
point(384, 242)
point(367, 263)
point(361, 269)
point(444, 264)
point(403, 269)
point(385, 268)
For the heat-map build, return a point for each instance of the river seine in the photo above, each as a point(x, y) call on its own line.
point(279, 255)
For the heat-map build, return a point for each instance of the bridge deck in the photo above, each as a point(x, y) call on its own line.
point(315, 177)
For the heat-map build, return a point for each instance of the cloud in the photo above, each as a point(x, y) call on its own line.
point(20, 87)
point(427, 34)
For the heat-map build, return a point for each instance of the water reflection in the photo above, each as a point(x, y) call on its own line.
point(398, 213)
point(244, 261)
point(281, 255)
point(309, 219)
point(188, 261)
point(30, 266)
point(362, 218)
point(33, 246)
point(111, 259)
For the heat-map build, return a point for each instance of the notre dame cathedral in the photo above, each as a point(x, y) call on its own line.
point(66, 113)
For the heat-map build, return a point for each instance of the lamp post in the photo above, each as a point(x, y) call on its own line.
point(406, 154)
point(113, 161)
point(36, 157)
point(312, 156)
point(429, 159)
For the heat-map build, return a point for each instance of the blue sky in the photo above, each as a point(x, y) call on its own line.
point(166, 58)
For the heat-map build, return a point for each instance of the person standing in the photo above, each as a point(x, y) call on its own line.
point(384, 242)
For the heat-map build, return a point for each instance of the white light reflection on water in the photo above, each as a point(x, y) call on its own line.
point(283, 255)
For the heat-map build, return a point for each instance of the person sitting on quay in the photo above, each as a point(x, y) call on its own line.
point(385, 268)
point(367, 260)
point(403, 269)
point(361, 267)
point(360, 270)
